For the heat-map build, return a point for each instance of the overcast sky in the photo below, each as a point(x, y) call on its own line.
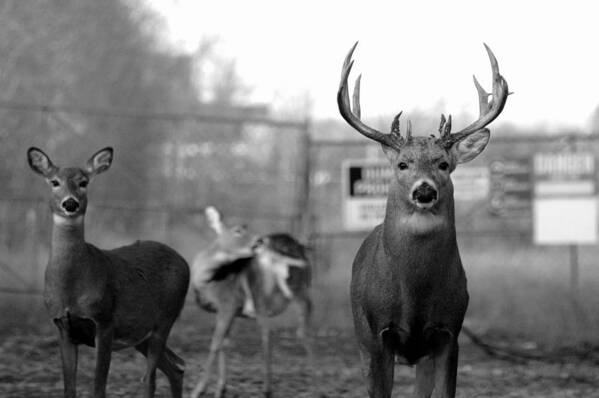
point(412, 54)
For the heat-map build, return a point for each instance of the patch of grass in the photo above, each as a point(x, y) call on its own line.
point(525, 290)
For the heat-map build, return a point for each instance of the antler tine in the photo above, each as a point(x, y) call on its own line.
point(445, 126)
point(483, 97)
point(488, 109)
point(395, 124)
point(409, 131)
point(353, 118)
point(356, 98)
point(441, 124)
point(447, 129)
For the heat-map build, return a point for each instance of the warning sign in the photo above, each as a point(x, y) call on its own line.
point(365, 187)
point(565, 204)
point(511, 187)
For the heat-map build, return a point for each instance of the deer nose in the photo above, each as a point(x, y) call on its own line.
point(424, 193)
point(70, 204)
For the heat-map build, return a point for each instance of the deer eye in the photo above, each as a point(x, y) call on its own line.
point(54, 183)
point(83, 184)
point(402, 166)
point(443, 166)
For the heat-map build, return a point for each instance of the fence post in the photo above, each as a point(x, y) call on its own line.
point(574, 271)
point(302, 219)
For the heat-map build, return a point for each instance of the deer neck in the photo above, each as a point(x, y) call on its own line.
point(408, 231)
point(68, 240)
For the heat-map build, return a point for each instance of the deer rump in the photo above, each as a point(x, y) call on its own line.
point(229, 272)
point(280, 243)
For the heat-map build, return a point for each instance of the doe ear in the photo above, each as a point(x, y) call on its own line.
point(40, 162)
point(214, 219)
point(99, 162)
point(471, 146)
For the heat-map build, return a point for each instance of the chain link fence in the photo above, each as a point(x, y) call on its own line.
point(167, 169)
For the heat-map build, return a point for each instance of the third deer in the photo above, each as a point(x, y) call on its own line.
point(241, 274)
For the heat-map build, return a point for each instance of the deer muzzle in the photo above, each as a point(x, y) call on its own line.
point(424, 194)
point(70, 205)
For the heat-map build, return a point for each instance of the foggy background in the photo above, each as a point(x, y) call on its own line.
point(233, 104)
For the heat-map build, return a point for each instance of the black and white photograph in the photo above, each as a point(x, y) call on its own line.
point(285, 199)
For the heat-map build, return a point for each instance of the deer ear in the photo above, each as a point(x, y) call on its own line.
point(214, 219)
point(100, 161)
point(40, 162)
point(471, 146)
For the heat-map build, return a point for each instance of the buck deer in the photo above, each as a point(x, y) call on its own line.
point(408, 287)
point(107, 299)
point(241, 274)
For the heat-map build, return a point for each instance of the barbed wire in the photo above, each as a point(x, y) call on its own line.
point(238, 211)
point(243, 118)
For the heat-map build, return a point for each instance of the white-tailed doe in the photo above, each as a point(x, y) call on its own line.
point(241, 274)
point(107, 299)
point(408, 288)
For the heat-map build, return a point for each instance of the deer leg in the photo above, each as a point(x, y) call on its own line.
point(446, 366)
point(224, 320)
point(267, 352)
point(104, 335)
point(425, 378)
point(68, 351)
point(222, 371)
point(171, 365)
point(304, 333)
point(378, 362)
point(68, 355)
point(154, 352)
point(304, 329)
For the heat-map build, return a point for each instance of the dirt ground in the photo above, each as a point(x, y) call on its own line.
point(30, 367)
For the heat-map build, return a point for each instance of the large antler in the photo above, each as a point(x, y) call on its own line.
point(488, 109)
point(394, 139)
